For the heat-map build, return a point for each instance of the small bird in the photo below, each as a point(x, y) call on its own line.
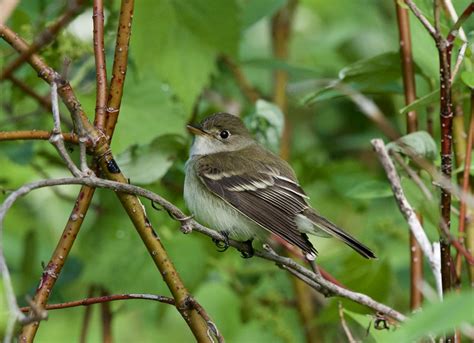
point(238, 187)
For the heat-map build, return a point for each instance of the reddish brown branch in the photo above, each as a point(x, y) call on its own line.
point(100, 67)
point(408, 73)
point(130, 203)
point(245, 86)
point(44, 101)
point(119, 69)
point(281, 31)
point(105, 298)
point(43, 39)
point(106, 316)
point(35, 135)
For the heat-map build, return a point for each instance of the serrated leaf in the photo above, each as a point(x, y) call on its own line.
point(437, 318)
point(145, 164)
point(420, 143)
point(468, 78)
point(370, 190)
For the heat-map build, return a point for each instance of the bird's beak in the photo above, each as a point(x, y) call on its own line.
point(196, 130)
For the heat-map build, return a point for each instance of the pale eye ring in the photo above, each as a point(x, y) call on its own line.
point(224, 134)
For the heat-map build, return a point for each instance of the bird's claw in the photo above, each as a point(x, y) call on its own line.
point(248, 251)
point(222, 245)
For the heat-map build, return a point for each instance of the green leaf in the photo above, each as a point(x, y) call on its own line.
point(182, 45)
point(145, 164)
point(420, 143)
point(437, 318)
point(422, 102)
point(266, 123)
point(275, 64)
point(253, 10)
point(370, 190)
point(468, 78)
point(366, 321)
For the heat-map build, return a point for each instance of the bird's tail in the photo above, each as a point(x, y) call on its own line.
point(330, 228)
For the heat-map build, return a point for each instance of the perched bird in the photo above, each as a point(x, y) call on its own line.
point(238, 187)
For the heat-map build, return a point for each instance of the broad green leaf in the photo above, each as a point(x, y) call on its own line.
point(370, 190)
point(178, 41)
point(420, 143)
point(253, 11)
point(266, 123)
point(468, 78)
point(422, 102)
point(145, 164)
point(437, 318)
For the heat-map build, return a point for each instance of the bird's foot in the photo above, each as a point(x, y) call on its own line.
point(247, 249)
point(222, 245)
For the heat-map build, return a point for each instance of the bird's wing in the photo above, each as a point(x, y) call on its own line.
point(265, 196)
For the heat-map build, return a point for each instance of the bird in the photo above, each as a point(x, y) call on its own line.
point(236, 186)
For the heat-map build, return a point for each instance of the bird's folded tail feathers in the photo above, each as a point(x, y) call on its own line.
point(333, 230)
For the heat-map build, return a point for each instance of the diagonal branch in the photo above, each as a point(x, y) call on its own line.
point(316, 280)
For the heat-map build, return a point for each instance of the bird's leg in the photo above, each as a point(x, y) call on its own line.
point(247, 251)
point(222, 245)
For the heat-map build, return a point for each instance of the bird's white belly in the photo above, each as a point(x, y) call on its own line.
point(214, 212)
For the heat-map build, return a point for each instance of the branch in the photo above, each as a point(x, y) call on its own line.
point(35, 135)
point(100, 66)
point(408, 212)
point(119, 69)
point(43, 39)
point(105, 298)
point(244, 84)
point(187, 224)
point(56, 137)
point(426, 23)
point(131, 203)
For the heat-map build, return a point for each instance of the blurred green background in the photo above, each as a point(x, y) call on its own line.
point(175, 76)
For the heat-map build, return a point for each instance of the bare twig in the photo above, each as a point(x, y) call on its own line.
point(247, 89)
point(408, 212)
point(346, 329)
point(35, 135)
point(414, 176)
point(426, 23)
point(56, 137)
point(105, 298)
point(187, 223)
point(448, 5)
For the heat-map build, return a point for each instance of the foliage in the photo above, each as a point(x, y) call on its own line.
point(176, 76)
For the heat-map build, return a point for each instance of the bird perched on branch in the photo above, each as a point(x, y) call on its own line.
point(236, 186)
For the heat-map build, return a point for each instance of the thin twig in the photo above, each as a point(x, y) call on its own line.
point(346, 329)
point(426, 23)
point(408, 212)
point(56, 137)
point(105, 298)
point(448, 5)
point(35, 135)
point(317, 280)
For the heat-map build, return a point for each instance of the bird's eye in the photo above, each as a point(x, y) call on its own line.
point(224, 134)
